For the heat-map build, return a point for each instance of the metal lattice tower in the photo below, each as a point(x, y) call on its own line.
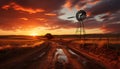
point(80, 16)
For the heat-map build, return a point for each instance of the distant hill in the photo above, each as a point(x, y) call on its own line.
point(64, 36)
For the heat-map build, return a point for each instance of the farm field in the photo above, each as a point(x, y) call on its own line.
point(59, 34)
point(25, 52)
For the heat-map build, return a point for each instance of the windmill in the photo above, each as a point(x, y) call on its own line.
point(80, 16)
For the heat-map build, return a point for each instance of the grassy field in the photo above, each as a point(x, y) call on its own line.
point(11, 46)
point(105, 47)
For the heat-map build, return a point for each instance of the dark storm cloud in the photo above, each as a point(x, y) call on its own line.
point(111, 18)
point(48, 5)
point(114, 17)
point(110, 21)
point(4, 2)
point(105, 6)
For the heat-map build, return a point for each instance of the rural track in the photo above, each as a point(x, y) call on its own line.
point(44, 58)
point(80, 59)
point(21, 62)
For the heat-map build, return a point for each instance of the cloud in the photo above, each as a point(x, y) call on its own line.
point(6, 7)
point(24, 18)
point(25, 14)
point(5, 2)
point(104, 6)
point(50, 14)
point(48, 5)
point(80, 4)
point(53, 23)
point(20, 8)
point(41, 19)
point(107, 10)
point(14, 13)
point(111, 28)
point(94, 7)
point(71, 3)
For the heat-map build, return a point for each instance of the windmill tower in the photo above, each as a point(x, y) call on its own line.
point(80, 16)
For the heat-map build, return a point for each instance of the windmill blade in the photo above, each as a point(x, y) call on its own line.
point(71, 17)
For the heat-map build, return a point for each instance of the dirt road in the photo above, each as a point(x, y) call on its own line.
point(51, 55)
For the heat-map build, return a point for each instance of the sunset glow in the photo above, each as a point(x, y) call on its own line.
point(59, 34)
point(34, 34)
point(20, 17)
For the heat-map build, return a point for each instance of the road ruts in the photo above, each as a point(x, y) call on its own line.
point(26, 60)
point(44, 58)
point(86, 62)
point(72, 62)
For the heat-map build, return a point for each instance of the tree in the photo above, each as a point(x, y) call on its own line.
point(49, 36)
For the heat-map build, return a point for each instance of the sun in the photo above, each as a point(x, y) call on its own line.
point(34, 34)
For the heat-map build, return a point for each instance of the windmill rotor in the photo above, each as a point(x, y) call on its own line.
point(81, 15)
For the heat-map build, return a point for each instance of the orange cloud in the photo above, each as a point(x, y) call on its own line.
point(20, 8)
point(50, 14)
point(24, 18)
point(94, 2)
point(89, 14)
point(68, 4)
point(42, 19)
point(6, 7)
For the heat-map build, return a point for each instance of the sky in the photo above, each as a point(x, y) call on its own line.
point(38, 17)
